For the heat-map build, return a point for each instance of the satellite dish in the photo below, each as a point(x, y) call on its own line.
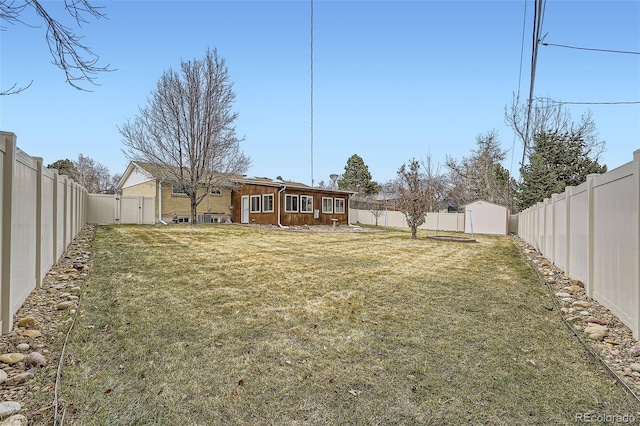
point(333, 177)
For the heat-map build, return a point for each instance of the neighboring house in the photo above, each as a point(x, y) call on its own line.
point(143, 179)
point(265, 201)
point(241, 200)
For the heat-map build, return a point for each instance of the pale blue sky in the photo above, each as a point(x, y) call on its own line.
point(392, 80)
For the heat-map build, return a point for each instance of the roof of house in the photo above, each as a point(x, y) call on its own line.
point(158, 172)
point(264, 181)
point(153, 171)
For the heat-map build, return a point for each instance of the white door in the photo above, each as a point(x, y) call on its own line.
point(245, 209)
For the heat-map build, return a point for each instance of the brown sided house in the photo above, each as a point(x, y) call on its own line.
point(240, 200)
point(275, 202)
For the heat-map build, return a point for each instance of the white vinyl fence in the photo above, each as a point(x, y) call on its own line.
point(592, 232)
point(41, 213)
point(396, 219)
point(109, 209)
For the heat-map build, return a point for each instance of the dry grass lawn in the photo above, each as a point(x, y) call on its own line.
point(239, 325)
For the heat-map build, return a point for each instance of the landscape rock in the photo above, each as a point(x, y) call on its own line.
point(23, 347)
point(35, 359)
point(15, 420)
point(20, 378)
point(12, 358)
point(27, 322)
point(65, 305)
point(9, 408)
point(31, 333)
point(3, 376)
point(595, 328)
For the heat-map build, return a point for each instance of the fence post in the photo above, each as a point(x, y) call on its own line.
point(8, 169)
point(65, 212)
point(55, 216)
point(567, 241)
point(38, 221)
point(591, 223)
point(552, 249)
point(72, 212)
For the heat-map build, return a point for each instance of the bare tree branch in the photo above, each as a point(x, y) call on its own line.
point(75, 59)
point(549, 117)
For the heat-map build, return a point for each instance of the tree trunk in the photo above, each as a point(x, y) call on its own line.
point(194, 210)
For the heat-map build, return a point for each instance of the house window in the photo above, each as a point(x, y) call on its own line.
point(339, 205)
point(327, 205)
point(216, 192)
point(306, 204)
point(290, 203)
point(255, 204)
point(267, 203)
point(177, 190)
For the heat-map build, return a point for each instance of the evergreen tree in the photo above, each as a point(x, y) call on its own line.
point(557, 160)
point(64, 167)
point(357, 178)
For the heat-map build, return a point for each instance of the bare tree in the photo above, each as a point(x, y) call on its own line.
point(94, 176)
point(187, 129)
point(436, 184)
point(89, 173)
point(376, 206)
point(414, 195)
point(549, 117)
point(75, 59)
point(481, 176)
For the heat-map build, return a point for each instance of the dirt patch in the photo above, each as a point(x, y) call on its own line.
point(452, 238)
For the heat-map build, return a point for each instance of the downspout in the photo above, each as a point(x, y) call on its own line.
point(280, 206)
point(349, 207)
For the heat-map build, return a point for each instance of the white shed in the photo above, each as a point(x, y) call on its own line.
point(483, 217)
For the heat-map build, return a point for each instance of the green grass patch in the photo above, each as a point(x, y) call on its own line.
point(237, 325)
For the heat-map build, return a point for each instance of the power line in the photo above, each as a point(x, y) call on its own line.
point(587, 103)
point(538, 18)
point(628, 52)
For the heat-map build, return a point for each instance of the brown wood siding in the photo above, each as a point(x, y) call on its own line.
point(288, 218)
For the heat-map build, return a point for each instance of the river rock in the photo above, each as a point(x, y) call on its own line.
point(35, 359)
point(12, 358)
point(31, 333)
point(20, 378)
point(65, 305)
point(9, 408)
point(15, 420)
point(27, 322)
